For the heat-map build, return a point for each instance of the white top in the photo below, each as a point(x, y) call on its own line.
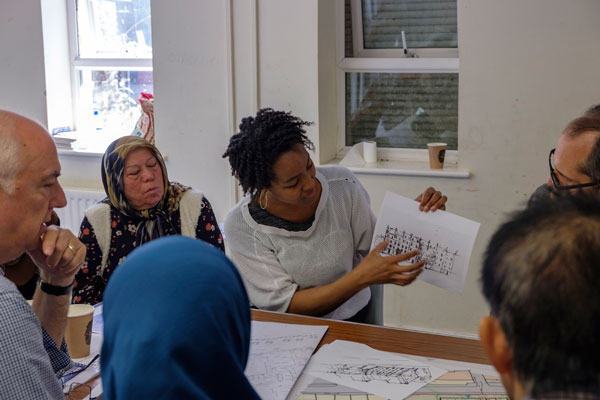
point(275, 263)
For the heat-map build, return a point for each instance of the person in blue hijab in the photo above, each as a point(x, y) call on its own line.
point(176, 325)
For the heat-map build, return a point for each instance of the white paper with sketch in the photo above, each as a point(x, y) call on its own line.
point(462, 381)
point(278, 354)
point(445, 239)
point(360, 367)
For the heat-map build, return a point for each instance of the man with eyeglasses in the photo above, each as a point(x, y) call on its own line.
point(32, 349)
point(575, 162)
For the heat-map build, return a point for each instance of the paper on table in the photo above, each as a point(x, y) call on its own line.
point(462, 381)
point(445, 240)
point(278, 354)
point(360, 367)
point(98, 322)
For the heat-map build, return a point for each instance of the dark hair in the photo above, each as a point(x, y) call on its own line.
point(593, 110)
point(261, 140)
point(541, 277)
point(590, 122)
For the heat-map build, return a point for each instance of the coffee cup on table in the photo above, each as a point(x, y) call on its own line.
point(78, 334)
point(437, 154)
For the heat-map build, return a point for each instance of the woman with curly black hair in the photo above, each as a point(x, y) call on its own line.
point(301, 238)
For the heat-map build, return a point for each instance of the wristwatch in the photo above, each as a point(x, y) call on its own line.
point(56, 290)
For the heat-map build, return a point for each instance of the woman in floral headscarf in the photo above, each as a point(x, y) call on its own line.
point(141, 205)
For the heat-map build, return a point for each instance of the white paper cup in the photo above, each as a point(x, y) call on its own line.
point(437, 154)
point(78, 334)
point(370, 151)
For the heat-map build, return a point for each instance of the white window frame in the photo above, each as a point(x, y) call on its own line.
point(82, 63)
point(384, 61)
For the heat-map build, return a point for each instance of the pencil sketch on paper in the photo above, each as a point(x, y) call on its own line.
point(445, 240)
point(455, 385)
point(387, 373)
point(278, 354)
point(439, 258)
point(275, 368)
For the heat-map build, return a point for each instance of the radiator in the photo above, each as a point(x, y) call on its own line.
point(77, 202)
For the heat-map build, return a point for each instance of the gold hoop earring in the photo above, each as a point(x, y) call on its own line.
point(266, 201)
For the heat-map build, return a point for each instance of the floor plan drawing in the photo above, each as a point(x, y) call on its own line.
point(278, 354)
point(386, 373)
point(439, 259)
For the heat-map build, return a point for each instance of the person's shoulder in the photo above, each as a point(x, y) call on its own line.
point(193, 194)
point(11, 300)
point(193, 199)
point(235, 222)
point(96, 209)
point(7, 287)
point(336, 173)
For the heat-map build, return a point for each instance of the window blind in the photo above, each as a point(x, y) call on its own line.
point(402, 110)
point(426, 23)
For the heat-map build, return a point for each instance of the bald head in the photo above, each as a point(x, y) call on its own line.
point(17, 133)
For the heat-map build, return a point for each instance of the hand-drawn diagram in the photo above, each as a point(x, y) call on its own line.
point(386, 373)
point(373, 371)
point(454, 385)
point(439, 259)
point(278, 356)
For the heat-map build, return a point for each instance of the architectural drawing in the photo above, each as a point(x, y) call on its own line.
point(454, 385)
point(386, 373)
point(278, 356)
point(439, 259)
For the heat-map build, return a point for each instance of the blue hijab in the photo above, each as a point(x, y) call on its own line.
point(176, 325)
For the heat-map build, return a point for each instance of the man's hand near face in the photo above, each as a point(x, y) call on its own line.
point(58, 256)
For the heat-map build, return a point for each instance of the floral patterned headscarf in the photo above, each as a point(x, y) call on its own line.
point(154, 222)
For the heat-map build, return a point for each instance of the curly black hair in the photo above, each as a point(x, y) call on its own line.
point(261, 140)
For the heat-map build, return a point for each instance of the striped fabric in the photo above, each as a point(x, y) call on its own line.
point(30, 360)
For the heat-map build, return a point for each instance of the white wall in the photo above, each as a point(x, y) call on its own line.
point(22, 84)
point(192, 87)
point(526, 69)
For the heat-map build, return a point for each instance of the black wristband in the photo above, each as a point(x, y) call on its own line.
point(56, 290)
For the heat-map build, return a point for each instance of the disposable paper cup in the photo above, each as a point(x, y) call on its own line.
point(437, 153)
point(370, 151)
point(78, 334)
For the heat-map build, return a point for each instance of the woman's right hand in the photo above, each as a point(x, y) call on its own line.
point(377, 269)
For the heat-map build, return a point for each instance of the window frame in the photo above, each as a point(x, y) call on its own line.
point(78, 63)
point(385, 61)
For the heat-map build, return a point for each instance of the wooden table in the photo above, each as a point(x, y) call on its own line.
point(380, 338)
point(387, 339)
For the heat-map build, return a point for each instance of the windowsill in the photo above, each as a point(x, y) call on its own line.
point(89, 149)
point(79, 153)
point(406, 168)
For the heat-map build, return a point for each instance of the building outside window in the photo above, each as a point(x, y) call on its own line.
point(400, 73)
point(111, 62)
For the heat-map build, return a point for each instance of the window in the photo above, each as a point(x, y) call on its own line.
point(111, 64)
point(399, 73)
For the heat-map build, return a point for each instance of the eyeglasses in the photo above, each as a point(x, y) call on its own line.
point(554, 177)
point(78, 391)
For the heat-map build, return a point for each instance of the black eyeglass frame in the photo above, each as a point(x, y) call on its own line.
point(556, 183)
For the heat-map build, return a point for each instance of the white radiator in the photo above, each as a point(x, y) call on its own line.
point(77, 202)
